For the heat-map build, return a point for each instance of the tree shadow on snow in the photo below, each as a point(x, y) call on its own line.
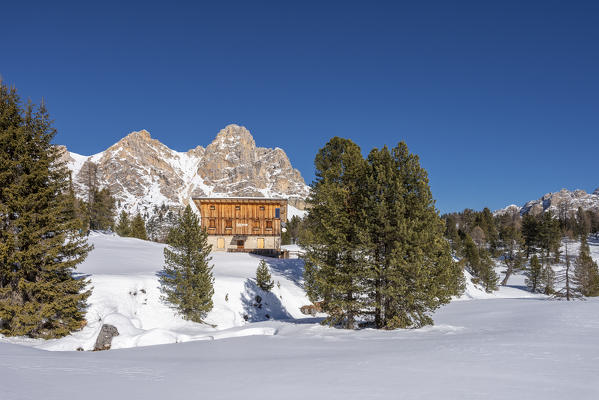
point(290, 268)
point(259, 305)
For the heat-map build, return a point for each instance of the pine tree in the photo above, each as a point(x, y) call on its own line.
point(534, 274)
point(101, 210)
point(123, 227)
point(566, 278)
point(138, 228)
point(263, 277)
point(586, 272)
point(422, 274)
point(186, 280)
point(486, 271)
point(40, 239)
point(374, 241)
point(335, 266)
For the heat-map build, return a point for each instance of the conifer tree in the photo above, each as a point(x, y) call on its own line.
point(586, 272)
point(335, 266)
point(101, 210)
point(422, 274)
point(186, 280)
point(263, 277)
point(533, 274)
point(374, 239)
point(566, 278)
point(40, 239)
point(138, 228)
point(486, 271)
point(123, 226)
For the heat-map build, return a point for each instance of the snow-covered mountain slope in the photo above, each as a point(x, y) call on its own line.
point(492, 348)
point(124, 277)
point(126, 294)
point(554, 202)
point(143, 173)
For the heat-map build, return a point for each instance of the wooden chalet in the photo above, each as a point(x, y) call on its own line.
point(250, 224)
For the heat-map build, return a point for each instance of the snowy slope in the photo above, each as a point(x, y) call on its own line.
point(124, 277)
point(507, 345)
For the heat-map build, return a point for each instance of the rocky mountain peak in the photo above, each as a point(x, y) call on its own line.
point(234, 136)
point(143, 174)
point(558, 202)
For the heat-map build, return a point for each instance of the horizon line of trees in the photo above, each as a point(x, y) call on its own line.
point(530, 244)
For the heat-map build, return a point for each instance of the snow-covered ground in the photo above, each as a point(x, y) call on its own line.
point(505, 345)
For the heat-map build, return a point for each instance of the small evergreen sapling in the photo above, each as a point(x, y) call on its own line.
point(123, 226)
point(263, 277)
point(138, 228)
point(187, 281)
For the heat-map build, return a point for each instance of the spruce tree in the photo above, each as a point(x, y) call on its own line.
point(533, 274)
point(263, 277)
point(335, 267)
point(374, 241)
point(138, 228)
point(486, 271)
point(422, 274)
point(186, 280)
point(123, 226)
point(586, 272)
point(40, 239)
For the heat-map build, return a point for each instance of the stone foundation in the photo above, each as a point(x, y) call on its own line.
point(229, 242)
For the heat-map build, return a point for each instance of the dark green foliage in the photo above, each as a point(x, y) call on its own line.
point(123, 227)
point(479, 263)
point(334, 261)
point(533, 274)
point(101, 210)
point(162, 219)
point(530, 233)
point(40, 239)
point(186, 280)
point(586, 272)
point(293, 230)
point(374, 239)
point(138, 228)
point(263, 277)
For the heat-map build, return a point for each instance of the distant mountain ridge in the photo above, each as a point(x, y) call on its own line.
point(564, 199)
point(142, 173)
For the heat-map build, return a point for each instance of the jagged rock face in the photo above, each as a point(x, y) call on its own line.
point(564, 200)
point(233, 164)
point(143, 174)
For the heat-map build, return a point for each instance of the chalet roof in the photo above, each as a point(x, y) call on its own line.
point(240, 200)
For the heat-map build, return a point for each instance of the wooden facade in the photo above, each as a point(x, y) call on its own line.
point(243, 223)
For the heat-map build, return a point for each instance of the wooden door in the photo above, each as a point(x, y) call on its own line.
point(260, 243)
point(240, 244)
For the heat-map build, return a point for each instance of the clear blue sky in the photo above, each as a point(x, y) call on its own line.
point(500, 100)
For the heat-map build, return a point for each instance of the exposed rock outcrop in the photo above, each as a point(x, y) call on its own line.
point(104, 340)
point(562, 201)
point(144, 174)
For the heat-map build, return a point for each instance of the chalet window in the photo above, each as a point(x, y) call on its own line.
point(256, 224)
point(261, 208)
point(229, 224)
point(212, 223)
point(238, 207)
point(269, 224)
point(277, 213)
point(212, 207)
